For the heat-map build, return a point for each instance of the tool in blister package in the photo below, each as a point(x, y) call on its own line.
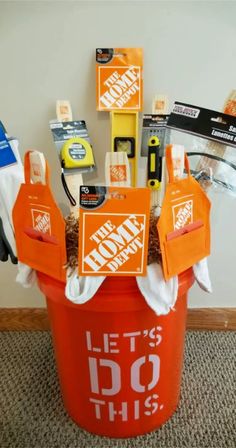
point(154, 169)
point(154, 126)
point(75, 153)
point(211, 139)
point(216, 149)
point(76, 156)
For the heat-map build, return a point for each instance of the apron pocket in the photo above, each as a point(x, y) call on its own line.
point(185, 250)
point(42, 256)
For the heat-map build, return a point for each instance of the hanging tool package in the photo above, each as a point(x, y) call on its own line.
point(210, 142)
point(74, 150)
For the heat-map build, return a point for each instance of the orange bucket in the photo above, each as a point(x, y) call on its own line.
point(119, 364)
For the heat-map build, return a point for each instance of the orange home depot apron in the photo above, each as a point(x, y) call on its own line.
point(184, 224)
point(39, 227)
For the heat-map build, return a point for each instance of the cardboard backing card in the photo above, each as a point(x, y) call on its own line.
point(154, 126)
point(119, 83)
point(73, 146)
point(210, 137)
point(113, 230)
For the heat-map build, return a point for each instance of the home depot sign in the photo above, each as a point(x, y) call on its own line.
point(119, 90)
point(115, 243)
point(119, 80)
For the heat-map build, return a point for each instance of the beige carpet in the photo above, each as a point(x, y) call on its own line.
point(32, 414)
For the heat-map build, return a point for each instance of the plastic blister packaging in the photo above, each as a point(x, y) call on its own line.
point(209, 139)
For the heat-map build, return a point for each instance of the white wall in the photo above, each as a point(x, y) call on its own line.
point(48, 52)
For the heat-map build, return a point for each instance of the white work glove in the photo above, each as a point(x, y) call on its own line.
point(81, 289)
point(26, 276)
point(201, 275)
point(11, 178)
point(160, 295)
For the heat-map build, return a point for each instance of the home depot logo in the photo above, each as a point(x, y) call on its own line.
point(41, 221)
point(117, 245)
point(119, 87)
point(118, 173)
point(182, 214)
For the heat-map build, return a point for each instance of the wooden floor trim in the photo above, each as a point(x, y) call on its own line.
point(23, 319)
point(211, 319)
point(27, 319)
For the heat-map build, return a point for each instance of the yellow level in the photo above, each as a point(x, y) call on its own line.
point(124, 137)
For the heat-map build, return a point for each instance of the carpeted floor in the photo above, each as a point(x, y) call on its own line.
point(32, 414)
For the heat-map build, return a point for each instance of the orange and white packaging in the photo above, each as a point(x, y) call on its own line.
point(113, 231)
point(184, 223)
point(39, 227)
point(119, 78)
point(117, 169)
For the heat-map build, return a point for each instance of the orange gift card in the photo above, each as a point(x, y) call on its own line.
point(113, 230)
point(119, 78)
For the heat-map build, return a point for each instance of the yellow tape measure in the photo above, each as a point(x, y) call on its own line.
point(77, 153)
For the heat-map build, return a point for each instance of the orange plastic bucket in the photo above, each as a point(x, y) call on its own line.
point(119, 364)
